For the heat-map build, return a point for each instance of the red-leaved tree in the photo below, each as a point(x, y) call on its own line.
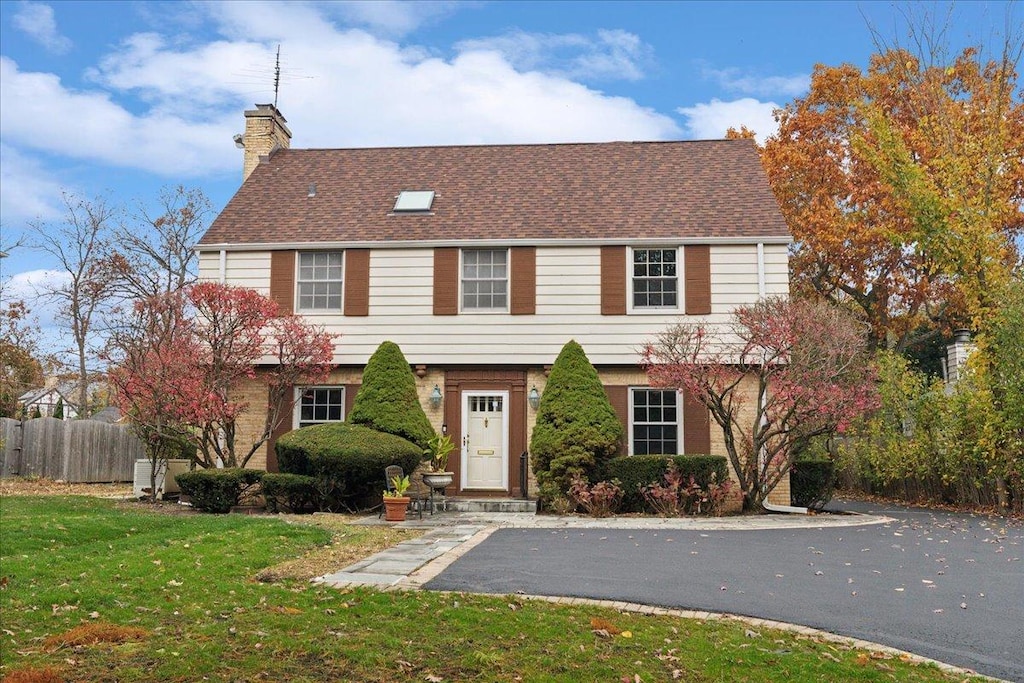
point(186, 359)
point(786, 371)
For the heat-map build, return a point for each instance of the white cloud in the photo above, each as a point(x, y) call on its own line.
point(736, 80)
point(706, 120)
point(170, 107)
point(612, 54)
point(36, 110)
point(27, 190)
point(37, 21)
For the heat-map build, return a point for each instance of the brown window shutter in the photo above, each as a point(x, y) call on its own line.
point(524, 281)
point(446, 281)
point(696, 426)
point(283, 428)
point(357, 282)
point(619, 398)
point(350, 397)
point(613, 280)
point(282, 280)
point(697, 263)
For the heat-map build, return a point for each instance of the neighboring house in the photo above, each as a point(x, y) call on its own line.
point(46, 398)
point(482, 261)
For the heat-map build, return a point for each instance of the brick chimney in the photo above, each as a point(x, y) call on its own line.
point(265, 133)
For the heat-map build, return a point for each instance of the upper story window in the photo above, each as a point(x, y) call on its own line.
point(319, 404)
point(655, 278)
point(655, 422)
point(485, 280)
point(319, 280)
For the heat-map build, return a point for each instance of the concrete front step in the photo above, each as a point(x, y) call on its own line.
point(490, 505)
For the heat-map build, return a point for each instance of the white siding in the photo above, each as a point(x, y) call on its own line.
point(568, 307)
point(243, 269)
point(776, 266)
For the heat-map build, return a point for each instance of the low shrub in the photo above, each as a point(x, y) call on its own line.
point(637, 472)
point(218, 490)
point(678, 494)
point(347, 461)
point(289, 492)
point(811, 482)
point(600, 500)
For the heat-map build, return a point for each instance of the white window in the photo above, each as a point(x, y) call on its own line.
point(655, 278)
point(485, 280)
point(319, 280)
point(654, 427)
point(319, 404)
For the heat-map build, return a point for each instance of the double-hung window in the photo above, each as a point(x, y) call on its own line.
point(319, 280)
point(319, 404)
point(655, 423)
point(655, 278)
point(485, 280)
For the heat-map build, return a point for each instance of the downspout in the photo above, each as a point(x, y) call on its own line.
point(762, 288)
point(223, 273)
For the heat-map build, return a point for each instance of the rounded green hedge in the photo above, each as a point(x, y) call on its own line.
point(347, 461)
point(216, 490)
point(811, 482)
point(638, 471)
point(289, 492)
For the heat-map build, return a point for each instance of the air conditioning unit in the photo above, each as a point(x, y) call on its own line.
point(165, 481)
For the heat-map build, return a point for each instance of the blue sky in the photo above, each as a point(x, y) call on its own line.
point(122, 98)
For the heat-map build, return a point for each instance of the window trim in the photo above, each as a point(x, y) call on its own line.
point(297, 404)
point(678, 423)
point(508, 283)
point(680, 281)
point(340, 310)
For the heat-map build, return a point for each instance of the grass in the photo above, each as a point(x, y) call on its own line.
point(90, 589)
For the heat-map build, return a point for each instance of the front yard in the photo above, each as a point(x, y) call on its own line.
point(97, 590)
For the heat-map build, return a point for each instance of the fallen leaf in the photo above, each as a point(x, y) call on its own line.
point(601, 633)
point(431, 678)
point(627, 634)
point(751, 634)
point(830, 656)
point(598, 624)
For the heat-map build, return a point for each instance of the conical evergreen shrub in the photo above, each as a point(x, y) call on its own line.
point(387, 400)
point(577, 429)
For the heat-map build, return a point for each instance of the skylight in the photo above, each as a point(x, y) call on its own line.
point(414, 200)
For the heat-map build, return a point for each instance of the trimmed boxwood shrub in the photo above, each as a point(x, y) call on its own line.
point(289, 492)
point(577, 429)
point(638, 471)
point(387, 400)
point(811, 482)
point(347, 461)
point(215, 490)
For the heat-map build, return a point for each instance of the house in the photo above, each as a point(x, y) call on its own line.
point(482, 261)
point(47, 397)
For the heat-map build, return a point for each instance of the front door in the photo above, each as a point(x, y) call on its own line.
point(485, 440)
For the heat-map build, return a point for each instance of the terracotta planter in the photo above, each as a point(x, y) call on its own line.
point(394, 509)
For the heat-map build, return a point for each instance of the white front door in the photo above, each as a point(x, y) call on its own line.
point(485, 440)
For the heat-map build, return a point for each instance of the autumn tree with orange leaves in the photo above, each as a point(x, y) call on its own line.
point(903, 187)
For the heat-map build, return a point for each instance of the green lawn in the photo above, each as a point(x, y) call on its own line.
point(185, 584)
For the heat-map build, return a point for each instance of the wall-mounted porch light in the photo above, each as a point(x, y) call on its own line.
point(436, 397)
point(534, 398)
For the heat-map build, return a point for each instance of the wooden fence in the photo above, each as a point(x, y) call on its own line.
point(73, 450)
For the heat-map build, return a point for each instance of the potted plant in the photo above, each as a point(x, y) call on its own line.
point(439, 448)
point(395, 500)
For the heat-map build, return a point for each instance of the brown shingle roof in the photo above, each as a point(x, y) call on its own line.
point(604, 191)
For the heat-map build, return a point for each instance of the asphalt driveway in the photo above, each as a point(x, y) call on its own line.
point(946, 586)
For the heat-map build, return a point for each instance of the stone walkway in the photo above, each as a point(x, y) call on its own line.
point(450, 535)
